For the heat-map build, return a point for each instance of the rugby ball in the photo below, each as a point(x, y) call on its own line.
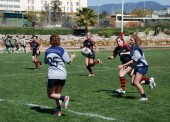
point(86, 51)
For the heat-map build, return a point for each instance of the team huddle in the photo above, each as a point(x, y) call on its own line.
point(133, 63)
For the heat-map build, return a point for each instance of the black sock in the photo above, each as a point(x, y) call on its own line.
point(143, 95)
point(62, 98)
point(89, 69)
point(147, 82)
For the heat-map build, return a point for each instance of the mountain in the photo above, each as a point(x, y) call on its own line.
point(128, 7)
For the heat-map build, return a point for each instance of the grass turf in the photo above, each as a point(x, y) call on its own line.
point(93, 99)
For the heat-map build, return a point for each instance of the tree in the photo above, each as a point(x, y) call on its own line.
point(32, 17)
point(86, 17)
point(47, 11)
point(1, 15)
point(141, 12)
point(104, 15)
point(56, 11)
point(42, 17)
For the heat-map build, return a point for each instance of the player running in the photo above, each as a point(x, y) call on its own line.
point(89, 59)
point(123, 50)
point(139, 63)
point(35, 45)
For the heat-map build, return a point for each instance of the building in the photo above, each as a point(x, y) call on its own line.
point(162, 12)
point(68, 6)
point(132, 21)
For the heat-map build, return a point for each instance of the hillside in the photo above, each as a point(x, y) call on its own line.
point(128, 7)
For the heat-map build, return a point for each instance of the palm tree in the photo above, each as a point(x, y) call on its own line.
point(86, 17)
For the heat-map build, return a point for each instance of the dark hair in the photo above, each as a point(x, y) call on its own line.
point(119, 37)
point(55, 40)
point(36, 37)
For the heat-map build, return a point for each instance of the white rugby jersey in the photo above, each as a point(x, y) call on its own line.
point(55, 57)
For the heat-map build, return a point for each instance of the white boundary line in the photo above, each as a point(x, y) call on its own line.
point(71, 111)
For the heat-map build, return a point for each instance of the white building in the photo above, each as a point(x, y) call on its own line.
point(68, 6)
point(162, 12)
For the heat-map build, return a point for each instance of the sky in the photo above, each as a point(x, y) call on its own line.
point(101, 2)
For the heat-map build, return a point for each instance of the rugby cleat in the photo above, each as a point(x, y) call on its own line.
point(121, 91)
point(91, 75)
point(66, 102)
point(143, 99)
point(100, 62)
point(152, 83)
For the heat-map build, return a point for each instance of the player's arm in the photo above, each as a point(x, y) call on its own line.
point(72, 57)
point(125, 65)
point(126, 53)
point(110, 57)
point(97, 48)
point(115, 52)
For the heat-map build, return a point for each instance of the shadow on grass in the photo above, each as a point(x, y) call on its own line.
point(30, 68)
point(118, 95)
point(114, 94)
point(44, 110)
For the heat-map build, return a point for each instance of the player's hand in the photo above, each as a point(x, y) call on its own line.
point(110, 57)
point(120, 67)
point(73, 55)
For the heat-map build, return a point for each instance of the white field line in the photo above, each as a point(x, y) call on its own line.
point(71, 111)
point(92, 115)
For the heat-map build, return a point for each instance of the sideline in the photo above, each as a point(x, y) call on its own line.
point(69, 110)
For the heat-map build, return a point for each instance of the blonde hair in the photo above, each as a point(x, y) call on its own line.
point(138, 41)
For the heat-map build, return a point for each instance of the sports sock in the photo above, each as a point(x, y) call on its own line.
point(143, 95)
point(36, 65)
point(96, 62)
point(62, 98)
point(146, 79)
point(89, 69)
point(123, 82)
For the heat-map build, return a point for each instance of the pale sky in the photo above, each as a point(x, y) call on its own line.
point(101, 2)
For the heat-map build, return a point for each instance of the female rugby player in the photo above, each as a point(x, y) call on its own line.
point(123, 50)
point(35, 45)
point(89, 59)
point(55, 57)
point(139, 63)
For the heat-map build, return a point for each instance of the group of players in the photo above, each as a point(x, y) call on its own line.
point(133, 63)
point(14, 44)
point(132, 57)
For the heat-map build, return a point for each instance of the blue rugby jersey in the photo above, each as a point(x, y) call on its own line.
point(55, 57)
point(138, 57)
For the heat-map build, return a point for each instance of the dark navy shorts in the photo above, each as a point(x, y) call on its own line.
point(141, 70)
point(55, 82)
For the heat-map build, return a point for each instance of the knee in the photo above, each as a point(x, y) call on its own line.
point(136, 83)
point(121, 74)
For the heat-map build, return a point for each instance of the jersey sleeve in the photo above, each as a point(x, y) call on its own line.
point(136, 55)
point(115, 52)
point(66, 57)
point(45, 58)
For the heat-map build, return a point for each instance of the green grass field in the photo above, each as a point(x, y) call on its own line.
point(23, 95)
